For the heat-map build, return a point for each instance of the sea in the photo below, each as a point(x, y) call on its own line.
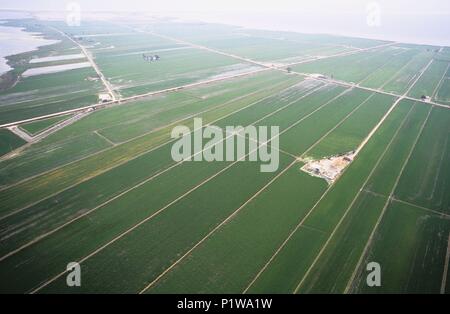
point(14, 40)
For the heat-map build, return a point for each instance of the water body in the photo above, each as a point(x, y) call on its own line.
point(15, 40)
point(55, 69)
point(416, 28)
point(59, 58)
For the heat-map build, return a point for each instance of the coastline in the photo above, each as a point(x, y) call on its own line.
point(16, 41)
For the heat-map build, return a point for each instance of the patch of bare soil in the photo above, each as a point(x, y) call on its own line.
point(329, 168)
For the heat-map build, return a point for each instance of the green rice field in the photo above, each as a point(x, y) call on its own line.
point(104, 191)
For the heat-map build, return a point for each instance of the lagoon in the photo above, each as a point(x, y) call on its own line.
point(15, 40)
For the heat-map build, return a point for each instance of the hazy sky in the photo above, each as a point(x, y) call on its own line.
point(316, 6)
point(423, 21)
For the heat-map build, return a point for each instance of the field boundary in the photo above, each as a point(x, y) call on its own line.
point(390, 58)
point(105, 82)
point(418, 77)
point(150, 217)
point(59, 197)
point(397, 73)
point(388, 201)
point(310, 114)
point(227, 219)
point(437, 88)
point(291, 234)
point(230, 217)
point(134, 98)
point(394, 199)
point(446, 262)
point(168, 205)
point(105, 138)
point(265, 68)
point(150, 132)
point(114, 166)
point(337, 125)
point(157, 174)
point(347, 210)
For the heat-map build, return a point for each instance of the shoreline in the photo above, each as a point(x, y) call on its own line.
point(18, 41)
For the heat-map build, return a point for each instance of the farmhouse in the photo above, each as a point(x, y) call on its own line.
point(329, 168)
point(319, 76)
point(150, 58)
point(425, 98)
point(104, 97)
